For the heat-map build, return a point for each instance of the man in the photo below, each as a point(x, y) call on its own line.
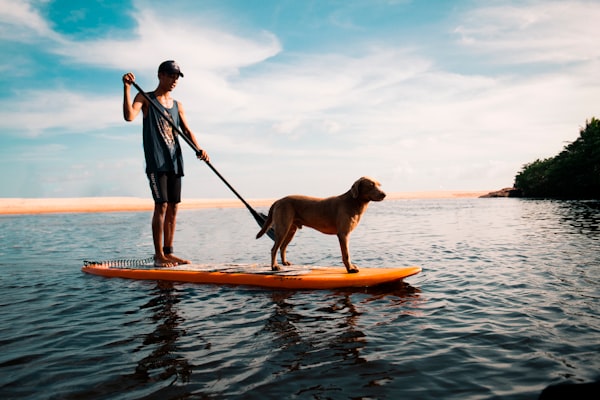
point(164, 161)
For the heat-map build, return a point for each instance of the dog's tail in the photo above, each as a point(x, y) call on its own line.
point(267, 224)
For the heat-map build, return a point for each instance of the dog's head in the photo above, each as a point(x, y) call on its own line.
point(367, 189)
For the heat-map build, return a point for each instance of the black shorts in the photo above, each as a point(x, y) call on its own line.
point(165, 187)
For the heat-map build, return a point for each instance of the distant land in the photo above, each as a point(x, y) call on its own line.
point(574, 173)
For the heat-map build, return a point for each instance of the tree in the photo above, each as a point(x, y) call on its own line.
point(573, 174)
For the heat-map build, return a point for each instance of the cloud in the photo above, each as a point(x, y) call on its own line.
point(535, 32)
point(20, 22)
point(197, 46)
point(36, 112)
point(209, 56)
point(417, 118)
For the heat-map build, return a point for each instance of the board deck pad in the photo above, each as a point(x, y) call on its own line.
point(290, 277)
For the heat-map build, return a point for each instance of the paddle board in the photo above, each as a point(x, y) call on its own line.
point(291, 277)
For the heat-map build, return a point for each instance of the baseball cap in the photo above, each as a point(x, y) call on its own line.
point(170, 67)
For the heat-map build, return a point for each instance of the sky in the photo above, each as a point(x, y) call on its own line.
point(295, 96)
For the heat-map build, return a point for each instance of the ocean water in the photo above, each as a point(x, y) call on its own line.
point(507, 304)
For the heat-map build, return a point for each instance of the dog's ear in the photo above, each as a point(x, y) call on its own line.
point(354, 190)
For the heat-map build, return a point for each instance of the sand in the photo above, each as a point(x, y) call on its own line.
point(114, 204)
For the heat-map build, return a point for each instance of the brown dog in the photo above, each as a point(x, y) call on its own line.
point(337, 215)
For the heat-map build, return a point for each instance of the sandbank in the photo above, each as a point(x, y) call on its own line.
point(116, 204)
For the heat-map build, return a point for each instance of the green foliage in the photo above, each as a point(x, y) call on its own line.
point(572, 174)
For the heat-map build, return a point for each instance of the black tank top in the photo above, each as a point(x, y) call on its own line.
point(161, 145)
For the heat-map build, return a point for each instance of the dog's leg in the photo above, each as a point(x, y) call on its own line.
point(274, 266)
point(282, 232)
point(285, 243)
point(343, 238)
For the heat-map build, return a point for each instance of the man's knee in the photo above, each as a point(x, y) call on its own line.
point(160, 208)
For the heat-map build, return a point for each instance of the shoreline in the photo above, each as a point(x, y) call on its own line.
point(15, 206)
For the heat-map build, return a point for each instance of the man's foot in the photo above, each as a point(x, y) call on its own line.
point(178, 261)
point(163, 262)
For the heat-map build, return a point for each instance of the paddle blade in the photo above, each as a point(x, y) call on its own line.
point(261, 219)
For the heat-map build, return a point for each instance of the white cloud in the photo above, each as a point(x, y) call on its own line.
point(196, 46)
point(20, 22)
point(35, 112)
point(388, 112)
point(539, 31)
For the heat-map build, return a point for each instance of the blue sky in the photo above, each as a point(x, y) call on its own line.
point(296, 96)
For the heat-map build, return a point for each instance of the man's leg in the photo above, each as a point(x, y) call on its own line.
point(169, 233)
point(158, 186)
point(170, 223)
point(174, 196)
point(158, 227)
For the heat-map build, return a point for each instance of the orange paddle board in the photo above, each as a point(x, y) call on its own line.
point(292, 277)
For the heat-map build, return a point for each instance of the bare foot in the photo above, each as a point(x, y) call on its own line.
point(353, 269)
point(163, 262)
point(176, 260)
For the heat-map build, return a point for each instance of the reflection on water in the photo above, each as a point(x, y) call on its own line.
point(332, 325)
point(582, 216)
point(161, 357)
point(507, 304)
point(321, 338)
point(164, 358)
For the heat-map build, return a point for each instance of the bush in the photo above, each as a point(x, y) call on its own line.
point(572, 174)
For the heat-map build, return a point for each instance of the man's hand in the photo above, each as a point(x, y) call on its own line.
point(202, 155)
point(130, 109)
point(128, 79)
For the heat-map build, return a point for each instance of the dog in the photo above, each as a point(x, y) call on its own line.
point(337, 215)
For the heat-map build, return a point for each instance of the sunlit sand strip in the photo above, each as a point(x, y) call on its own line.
point(113, 204)
point(108, 204)
point(439, 194)
point(66, 205)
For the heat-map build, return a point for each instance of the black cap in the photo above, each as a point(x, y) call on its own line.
point(170, 67)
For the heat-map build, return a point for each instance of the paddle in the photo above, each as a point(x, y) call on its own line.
point(259, 217)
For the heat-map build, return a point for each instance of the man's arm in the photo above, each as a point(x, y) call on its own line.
point(202, 155)
point(131, 109)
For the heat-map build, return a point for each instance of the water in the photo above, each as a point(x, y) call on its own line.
point(506, 305)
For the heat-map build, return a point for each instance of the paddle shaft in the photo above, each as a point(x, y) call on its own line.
point(260, 219)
